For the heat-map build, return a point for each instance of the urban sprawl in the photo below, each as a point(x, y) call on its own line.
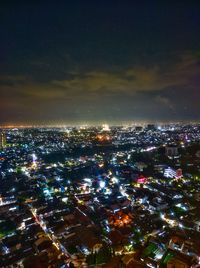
point(126, 196)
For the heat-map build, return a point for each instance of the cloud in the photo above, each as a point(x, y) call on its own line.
point(120, 92)
point(164, 101)
point(12, 80)
point(128, 81)
point(133, 80)
point(96, 82)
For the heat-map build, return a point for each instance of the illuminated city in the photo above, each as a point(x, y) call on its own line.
point(72, 199)
point(100, 134)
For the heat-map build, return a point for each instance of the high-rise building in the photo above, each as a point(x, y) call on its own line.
point(2, 140)
point(151, 127)
point(171, 151)
point(138, 128)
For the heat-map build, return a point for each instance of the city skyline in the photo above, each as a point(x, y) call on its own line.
point(93, 63)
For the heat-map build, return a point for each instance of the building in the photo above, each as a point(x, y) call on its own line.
point(180, 261)
point(170, 173)
point(171, 151)
point(2, 140)
point(138, 128)
point(151, 127)
point(179, 173)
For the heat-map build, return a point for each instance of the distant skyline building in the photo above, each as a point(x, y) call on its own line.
point(151, 127)
point(138, 128)
point(2, 140)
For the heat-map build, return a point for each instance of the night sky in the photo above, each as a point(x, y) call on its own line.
point(71, 62)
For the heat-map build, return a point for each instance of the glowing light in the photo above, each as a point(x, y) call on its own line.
point(105, 127)
point(162, 216)
point(115, 180)
point(102, 184)
point(34, 157)
point(141, 180)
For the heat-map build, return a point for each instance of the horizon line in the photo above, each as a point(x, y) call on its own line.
point(83, 124)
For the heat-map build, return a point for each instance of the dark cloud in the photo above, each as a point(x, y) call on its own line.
point(111, 61)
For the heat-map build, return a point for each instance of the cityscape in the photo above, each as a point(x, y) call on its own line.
point(100, 134)
point(123, 196)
